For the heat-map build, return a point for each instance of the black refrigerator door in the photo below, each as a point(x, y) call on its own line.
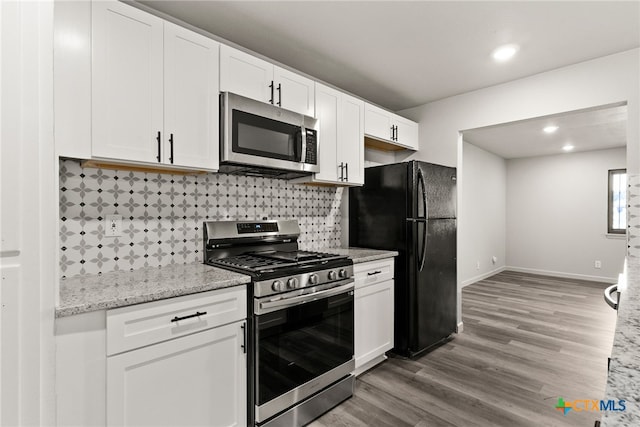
point(440, 190)
point(377, 210)
point(433, 297)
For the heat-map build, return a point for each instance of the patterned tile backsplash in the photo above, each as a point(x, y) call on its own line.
point(162, 214)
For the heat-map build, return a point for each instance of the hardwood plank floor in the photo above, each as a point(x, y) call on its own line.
point(527, 340)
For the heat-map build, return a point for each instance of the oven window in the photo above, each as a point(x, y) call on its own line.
point(297, 344)
point(265, 137)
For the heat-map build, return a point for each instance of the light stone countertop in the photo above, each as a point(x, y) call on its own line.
point(623, 382)
point(359, 255)
point(81, 294)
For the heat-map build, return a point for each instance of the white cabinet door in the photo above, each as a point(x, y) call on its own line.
point(373, 321)
point(245, 75)
point(350, 147)
point(195, 380)
point(294, 92)
point(127, 78)
point(191, 107)
point(327, 109)
point(406, 132)
point(377, 122)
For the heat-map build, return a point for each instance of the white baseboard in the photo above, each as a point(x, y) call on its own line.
point(459, 328)
point(563, 275)
point(481, 276)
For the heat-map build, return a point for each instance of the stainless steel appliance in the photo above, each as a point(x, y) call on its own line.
point(411, 208)
point(261, 139)
point(301, 352)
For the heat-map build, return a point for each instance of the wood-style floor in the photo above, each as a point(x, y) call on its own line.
point(527, 340)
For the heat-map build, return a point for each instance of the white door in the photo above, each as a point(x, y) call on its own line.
point(406, 132)
point(245, 75)
point(126, 82)
point(191, 103)
point(373, 321)
point(351, 142)
point(377, 122)
point(294, 92)
point(327, 113)
point(195, 380)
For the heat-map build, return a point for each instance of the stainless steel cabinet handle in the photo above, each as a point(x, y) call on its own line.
point(608, 298)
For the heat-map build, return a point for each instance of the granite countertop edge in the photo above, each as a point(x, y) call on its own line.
point(360, 255)
point(84, 294)
point(87, 293)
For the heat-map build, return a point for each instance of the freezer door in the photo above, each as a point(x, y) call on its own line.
point(377, 210)
point(433, 299)
point(440, 190)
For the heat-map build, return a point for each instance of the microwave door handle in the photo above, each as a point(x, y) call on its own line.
point(303, 144)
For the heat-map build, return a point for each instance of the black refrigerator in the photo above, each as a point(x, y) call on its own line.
point(411, 208)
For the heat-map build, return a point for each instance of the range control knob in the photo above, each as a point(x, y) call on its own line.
point(293, 283)
point(314, 279)
point(332, 275)
point(342, 273)
point(278, 286)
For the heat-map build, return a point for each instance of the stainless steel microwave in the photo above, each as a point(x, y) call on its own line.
point(261, 139)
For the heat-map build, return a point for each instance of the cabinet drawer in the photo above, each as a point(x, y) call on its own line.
point(140, 325)
point(368, 273)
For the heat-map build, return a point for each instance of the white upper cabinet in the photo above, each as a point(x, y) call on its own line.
point(351, 142)
point(127, 73)
point(390, 128)
point(294, 92)
point(154, 90)
point(246, 75)
point(341, 136)
point(191, 107)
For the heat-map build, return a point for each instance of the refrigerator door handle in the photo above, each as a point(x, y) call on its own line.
point(423, 189)
point(423, 252)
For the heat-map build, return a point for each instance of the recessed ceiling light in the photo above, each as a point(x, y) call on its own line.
point(568, 147)
point(505, 53)
point(550, 129)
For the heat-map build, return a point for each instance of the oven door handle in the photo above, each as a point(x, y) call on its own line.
point(268, 306)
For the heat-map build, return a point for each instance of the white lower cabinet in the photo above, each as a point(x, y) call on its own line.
point(195, 380)
point(174, 362)
point(374, 288)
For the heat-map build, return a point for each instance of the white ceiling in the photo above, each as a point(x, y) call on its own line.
point(593, 129)
point(400, 54)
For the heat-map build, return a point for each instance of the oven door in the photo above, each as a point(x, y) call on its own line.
point(259, 134)
point(302, 346)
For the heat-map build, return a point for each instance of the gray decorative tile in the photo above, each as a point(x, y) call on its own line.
point(163, 215)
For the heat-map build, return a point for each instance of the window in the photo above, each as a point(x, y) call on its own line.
point(617, 206)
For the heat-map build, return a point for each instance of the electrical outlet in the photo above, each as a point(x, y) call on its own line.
point(477, 265)
point(113, 226)
point(597, 264)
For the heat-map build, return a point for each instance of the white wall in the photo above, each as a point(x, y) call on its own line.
point(601, 81)
point(557, 215)
point(483, 204)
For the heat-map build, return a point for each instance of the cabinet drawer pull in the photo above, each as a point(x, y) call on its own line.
point(196, 314)
point(374, 273)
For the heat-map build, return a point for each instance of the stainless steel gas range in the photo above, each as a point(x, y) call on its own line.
point(301, 328)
